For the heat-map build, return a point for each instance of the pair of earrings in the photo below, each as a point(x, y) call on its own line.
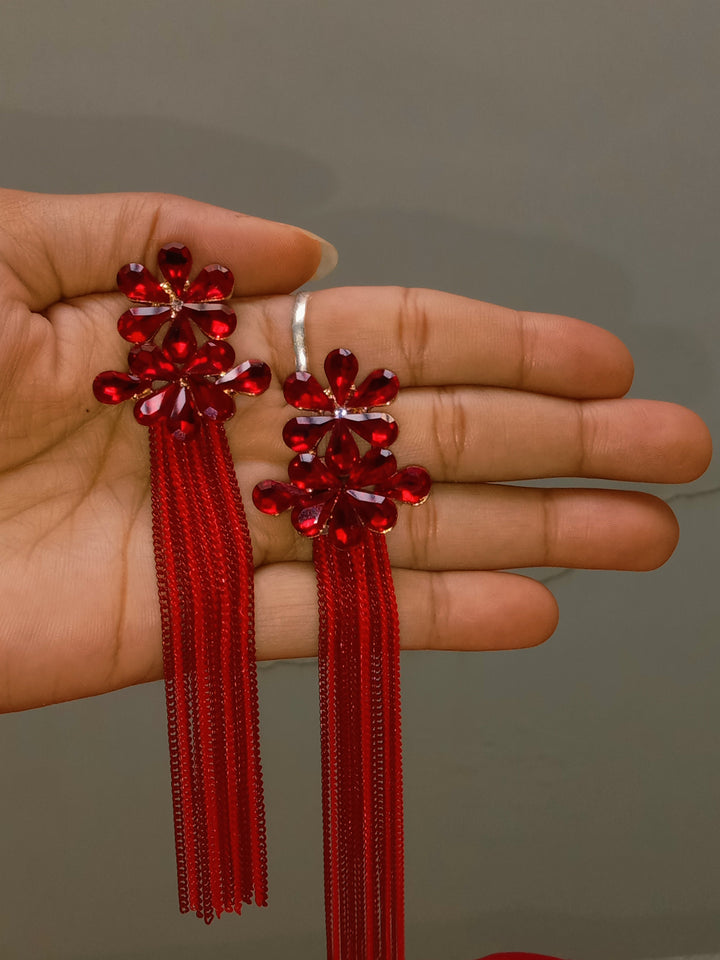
point(342, 490)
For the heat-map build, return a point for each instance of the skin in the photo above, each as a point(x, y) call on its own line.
point(489, 395)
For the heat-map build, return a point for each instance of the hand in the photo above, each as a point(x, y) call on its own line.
point(489, 395)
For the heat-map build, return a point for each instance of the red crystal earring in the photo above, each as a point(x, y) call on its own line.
point(183, 391)
point(345, 501)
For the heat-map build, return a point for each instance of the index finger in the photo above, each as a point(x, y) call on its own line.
point(61, 247)
point(429, 338)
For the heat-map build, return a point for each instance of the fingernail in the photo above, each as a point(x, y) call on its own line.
point(328, 257)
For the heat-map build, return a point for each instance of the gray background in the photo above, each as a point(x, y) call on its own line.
point(559, 156)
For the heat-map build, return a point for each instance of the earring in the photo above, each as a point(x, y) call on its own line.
point(184, 390)
point(345, 500)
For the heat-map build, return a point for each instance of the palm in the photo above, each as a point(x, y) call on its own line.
point(78, 566)
point(78, 590)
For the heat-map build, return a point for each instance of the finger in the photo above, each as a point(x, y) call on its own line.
point(438, 611)
point(471, 434)
point(61, 247)
point(491, 527)
point(432, 339)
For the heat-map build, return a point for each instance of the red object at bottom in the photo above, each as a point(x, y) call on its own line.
point(518, 956)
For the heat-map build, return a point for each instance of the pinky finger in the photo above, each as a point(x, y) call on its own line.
point(458, 610)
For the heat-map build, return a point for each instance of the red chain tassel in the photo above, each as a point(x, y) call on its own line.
point(204, 566)
point(359, 671)
point(346, 501)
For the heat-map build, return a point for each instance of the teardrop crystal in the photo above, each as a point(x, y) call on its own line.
point(411, 485)
point(378, 389)
point(308, 472)
point(214, 282)
point(179, 342)
point(303, 434)
point(175, 263)
point(341, 368)
point(303, 391)
point(212, 358)
point(212, 401)
point(342, 452)
point(379, 429)
point(251, 378)
point(139, 324)
point(113, 387)
point(216, 320)
point(273, 497)
point(137, 283)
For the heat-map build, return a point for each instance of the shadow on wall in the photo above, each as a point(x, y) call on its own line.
point(542, 274)
point(101, 154)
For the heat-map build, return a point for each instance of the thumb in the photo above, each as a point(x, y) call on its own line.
point(59, 247)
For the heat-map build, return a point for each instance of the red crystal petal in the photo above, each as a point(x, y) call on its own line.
point(303, 434)
point(148, 362)
point(378, 512)
point(182, 420)
point(303, 391)
point(342, 452)
point(345, 527)
point(341, 368)
point(216, 320)
point(377, 389)
point(157, 406)
point(310, 516)
point(377, 465)
point(379, 429)
point(273, 497)
point(139, 324)
point(175, 263)
point(251, 378)
point(180, 344)
point(137, 283)
point(211, 359)
point(114, 387)
point(212, 401)
point(212, 283)
point(411, 485)
point(308, 472)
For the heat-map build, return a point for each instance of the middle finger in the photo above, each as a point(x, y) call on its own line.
point(477, 434)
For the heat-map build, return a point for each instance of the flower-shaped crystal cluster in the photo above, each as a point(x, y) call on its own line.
point(183, 380)
point(342, 409)
point(342, 492)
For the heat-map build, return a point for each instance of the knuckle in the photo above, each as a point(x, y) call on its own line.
point(439, 605)
point(586, 443)
point(274, 541)
point(412, 327)
point(268, 317)
point(449, 426)
point(549, 528)
point(524, 352)
point(422, 534)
